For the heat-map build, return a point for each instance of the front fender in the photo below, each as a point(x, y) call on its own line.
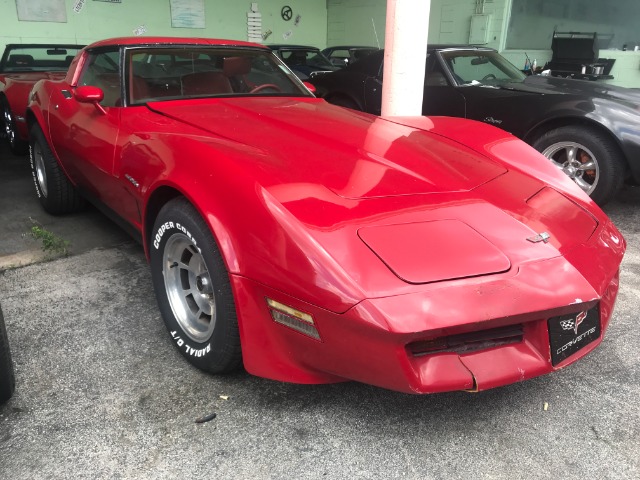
point(38, 108)
point(618, 120)
point(622, 122)
point(258, 237)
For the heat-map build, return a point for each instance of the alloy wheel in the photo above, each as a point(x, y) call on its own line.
point(8, 126)
point(40, 171)
point(577, 162)
point(189, 289)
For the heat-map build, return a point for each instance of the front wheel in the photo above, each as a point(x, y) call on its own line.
point(7, 378)
point(16, 145)
point(588, 157)
point(193, 290)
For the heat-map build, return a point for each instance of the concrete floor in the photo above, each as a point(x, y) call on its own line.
point(102, 392)
point(20, 210)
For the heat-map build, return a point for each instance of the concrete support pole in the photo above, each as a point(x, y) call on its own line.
point(407, 29)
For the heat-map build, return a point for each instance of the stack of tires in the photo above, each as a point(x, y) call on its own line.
point(7, 378)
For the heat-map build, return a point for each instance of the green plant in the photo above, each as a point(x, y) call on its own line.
point(51, 243)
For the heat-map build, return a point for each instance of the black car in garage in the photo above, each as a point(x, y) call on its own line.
point(306, 62)
point(343, 55)
point(590, 130)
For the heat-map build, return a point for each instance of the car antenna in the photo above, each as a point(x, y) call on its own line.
point(375, 32)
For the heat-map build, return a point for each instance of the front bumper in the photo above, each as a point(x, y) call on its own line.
point(372, 341)
point(361, 345)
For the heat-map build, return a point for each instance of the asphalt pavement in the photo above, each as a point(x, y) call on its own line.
point(102, 392)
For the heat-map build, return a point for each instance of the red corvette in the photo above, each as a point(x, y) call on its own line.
point(313, 243)
point(21, 66)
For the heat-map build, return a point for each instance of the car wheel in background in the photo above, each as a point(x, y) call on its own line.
point(16, 145)
point(344, 102)
point(589, 157)
point(193, 290)
point(7, 378)
point(56, 193)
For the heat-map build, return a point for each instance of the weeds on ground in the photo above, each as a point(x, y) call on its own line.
point(52, 244)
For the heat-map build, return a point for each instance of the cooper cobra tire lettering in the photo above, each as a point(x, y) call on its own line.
point(167, 226)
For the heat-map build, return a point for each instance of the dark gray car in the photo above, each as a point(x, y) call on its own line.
point(306, 62)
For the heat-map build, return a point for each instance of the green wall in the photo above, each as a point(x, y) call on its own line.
point(323, 23)
point(223, 19)
point(350, 22)
point(356, 22)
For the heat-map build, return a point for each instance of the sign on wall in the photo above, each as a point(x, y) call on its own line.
point(41, 11)
point(187, 13)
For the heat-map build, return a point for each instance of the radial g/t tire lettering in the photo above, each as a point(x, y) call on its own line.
point(56, 193)
point(7, 378)
point(193, 290)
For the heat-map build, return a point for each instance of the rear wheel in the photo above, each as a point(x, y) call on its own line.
point(16, 145)
point(7, 378)
point(193, 290)
point(588, 157)
point(56, 193)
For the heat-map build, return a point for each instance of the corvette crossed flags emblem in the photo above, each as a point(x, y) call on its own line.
point(541, 237)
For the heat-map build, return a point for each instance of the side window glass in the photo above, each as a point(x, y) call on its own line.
point(102, 70)
point(340, 57)
point(434, 75)
point(475, 69)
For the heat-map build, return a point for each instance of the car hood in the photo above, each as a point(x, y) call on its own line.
point(387, 208)
point(565, 86)
point(372, 158)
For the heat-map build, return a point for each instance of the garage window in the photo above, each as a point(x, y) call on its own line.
point(533, 22)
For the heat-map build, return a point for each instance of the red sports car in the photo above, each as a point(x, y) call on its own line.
point(313, 243)
point(21, 66)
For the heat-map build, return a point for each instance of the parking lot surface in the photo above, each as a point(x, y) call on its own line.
point(102, 392)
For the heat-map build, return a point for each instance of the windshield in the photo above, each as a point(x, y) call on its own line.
point(30, 58)
point(480, 67)
point(159, 73)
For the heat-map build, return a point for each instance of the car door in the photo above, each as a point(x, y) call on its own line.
point(368, 72)
point(83, 135)
point(490, 95)
point(441, 94)
point(511, 109)
point(373, 94)
point(135, 163)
